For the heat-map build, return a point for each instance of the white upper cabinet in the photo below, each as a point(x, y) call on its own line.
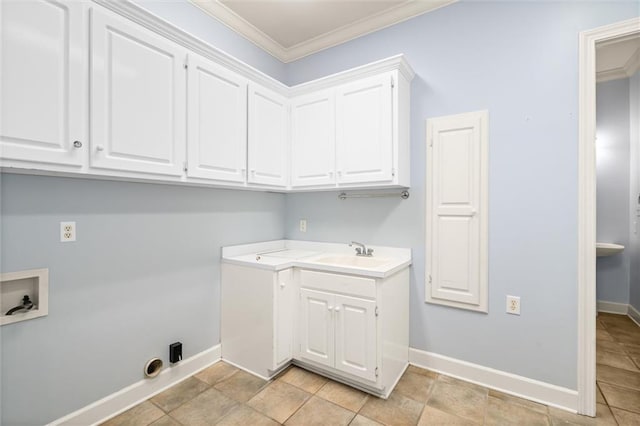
point(268, 147)
point(364, 130)
point(42, 92)
point(457, 188)
point(217, 122)
point(138, 98)
point(111, 90)
point(313, 139)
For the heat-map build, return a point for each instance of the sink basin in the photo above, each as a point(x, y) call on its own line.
point(354, 261)
point(608, 249)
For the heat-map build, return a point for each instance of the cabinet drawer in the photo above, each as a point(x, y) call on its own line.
point(345, 284)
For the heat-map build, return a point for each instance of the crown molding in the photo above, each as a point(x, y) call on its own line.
point(241, 26)
point(627, 70)
point(150, 21)
point(333, 38)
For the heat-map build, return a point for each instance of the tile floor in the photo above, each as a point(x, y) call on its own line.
point(618, 367)
point(225, 395)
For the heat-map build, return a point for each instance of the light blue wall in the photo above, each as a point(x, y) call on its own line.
point(194, 20)
point(112, 299)
point(634, 210)
point(143, 273)
point(613, 178)
point(519, 60)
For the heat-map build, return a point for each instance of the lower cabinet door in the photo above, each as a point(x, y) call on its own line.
point(316, 327)
point(355, 351)
point(283, 311)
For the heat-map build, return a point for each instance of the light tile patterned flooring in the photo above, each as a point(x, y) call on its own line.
point(225, 395)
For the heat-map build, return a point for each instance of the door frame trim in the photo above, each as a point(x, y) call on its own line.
point(586, 361)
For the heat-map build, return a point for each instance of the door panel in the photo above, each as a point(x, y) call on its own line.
point(313, 140)
point(364, 139)
point(138, 98)
point(316, 327)
point(456, 209)
point(217, 110)
point(42, 64)
point(356, 336)
point(267, 137)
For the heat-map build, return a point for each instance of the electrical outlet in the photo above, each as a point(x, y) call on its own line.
point(303, 225)
point(513, 305)
point(67, 232)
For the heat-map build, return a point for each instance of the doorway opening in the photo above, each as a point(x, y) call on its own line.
point(590, 42)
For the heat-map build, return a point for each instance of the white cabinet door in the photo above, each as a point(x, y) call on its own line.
point(364, 139)
point(267, 137)
point(284, 317)
point(137, 98)
point(316, 326)
point(217, 122)
point(313, 139)
point(356, 336)
point(42, 94)
point(457, 199)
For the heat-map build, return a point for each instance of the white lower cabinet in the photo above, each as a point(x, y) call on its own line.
point(338, 331)
point(257, 318)
point(353, 329)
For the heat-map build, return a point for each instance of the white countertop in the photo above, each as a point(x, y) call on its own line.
point(282, 254)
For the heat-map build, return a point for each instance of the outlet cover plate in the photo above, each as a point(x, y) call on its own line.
point(67, 232)
point(513, 305)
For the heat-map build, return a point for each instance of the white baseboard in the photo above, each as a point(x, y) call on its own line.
point(613, 307)
point(634, 314)
point(523, 387)
point(126, 398)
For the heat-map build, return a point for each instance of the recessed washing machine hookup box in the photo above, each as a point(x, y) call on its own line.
point(24, 295)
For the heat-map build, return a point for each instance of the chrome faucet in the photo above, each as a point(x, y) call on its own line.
point(362, 250)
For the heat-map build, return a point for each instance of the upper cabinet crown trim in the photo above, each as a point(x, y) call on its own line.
point(397, 62)
point(147, 19)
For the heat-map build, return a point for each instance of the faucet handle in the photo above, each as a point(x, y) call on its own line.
point(358, 251)
point(369, 252)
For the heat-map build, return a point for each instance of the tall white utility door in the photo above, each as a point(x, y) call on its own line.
point(267, 155)
point(356, 336)
point(138, 95)
point(364, 140)
point(457, 198)
point(217, 122)
point(42, 88)
point(316, 327)
point(313, 139)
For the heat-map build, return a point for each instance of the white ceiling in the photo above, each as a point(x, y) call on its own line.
point(618, 59)
point(292, 29)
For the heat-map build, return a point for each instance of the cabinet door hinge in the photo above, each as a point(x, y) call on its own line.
point(186, 62)
point(377, 371)
point(431, 142)
point(393, 83)
point(377, 311)
point(393, 172)
point(185, 166)
point(429, 279)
